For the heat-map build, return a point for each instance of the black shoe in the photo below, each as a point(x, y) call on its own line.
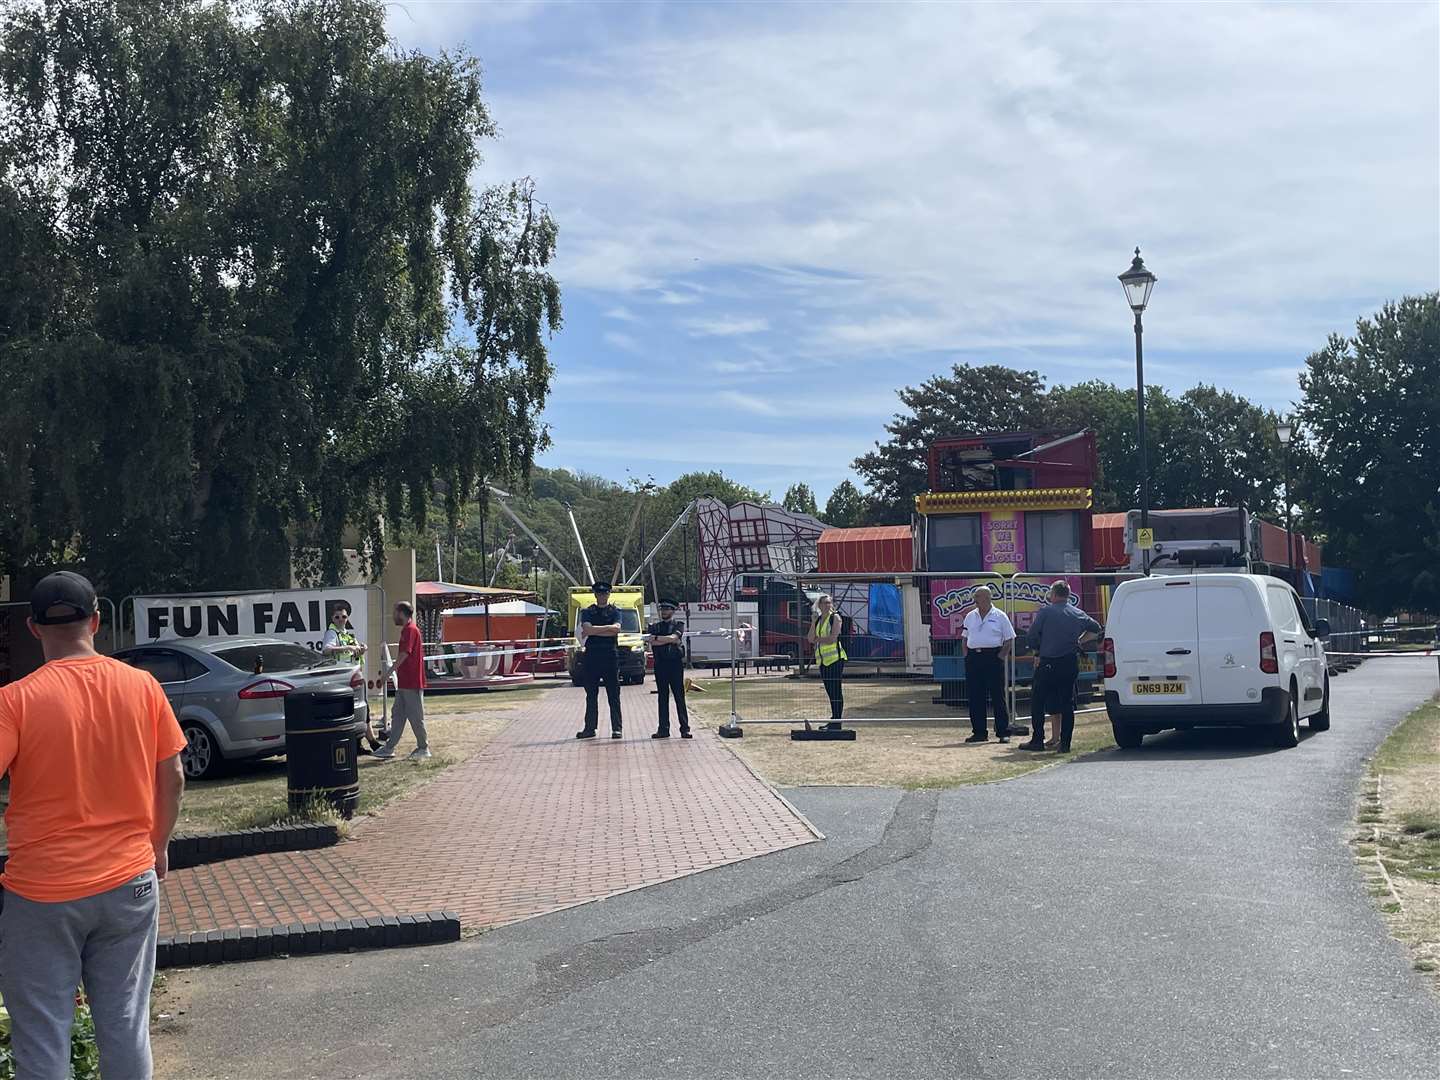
point(616, 735)
point(1002, 738)
point(978, 738)
point(660, 735)
point(686, 735)
point(585, 734)
point(834, 725)
point(1031, 745)
point(1064, 748)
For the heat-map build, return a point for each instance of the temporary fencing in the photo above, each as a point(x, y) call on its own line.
point(904, 659)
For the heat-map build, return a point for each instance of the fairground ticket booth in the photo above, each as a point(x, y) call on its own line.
point(1000, 506)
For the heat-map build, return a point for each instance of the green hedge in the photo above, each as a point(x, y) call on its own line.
point(84, 1056)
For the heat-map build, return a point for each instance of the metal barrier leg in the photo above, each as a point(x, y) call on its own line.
point(731, 729)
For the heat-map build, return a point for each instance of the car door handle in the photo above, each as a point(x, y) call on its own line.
point(1177, 652)
point(1289, 641)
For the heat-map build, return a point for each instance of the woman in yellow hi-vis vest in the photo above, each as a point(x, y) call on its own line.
point(829, 654)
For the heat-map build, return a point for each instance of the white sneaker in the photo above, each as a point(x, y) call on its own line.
point(384, 754)
point(422, 754)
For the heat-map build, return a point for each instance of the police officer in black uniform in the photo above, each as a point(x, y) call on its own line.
point(668, 638)
point(600, 660)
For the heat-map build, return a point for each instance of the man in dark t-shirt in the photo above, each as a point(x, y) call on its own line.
point(600, 660)
point(668, 638)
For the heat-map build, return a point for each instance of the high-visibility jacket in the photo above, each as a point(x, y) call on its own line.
point(347, 640)
point(832, 653)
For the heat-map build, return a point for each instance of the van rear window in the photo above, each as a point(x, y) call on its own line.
point(1224, 609)
point(1150, 614)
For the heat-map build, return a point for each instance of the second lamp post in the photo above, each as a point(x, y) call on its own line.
point(1138, 282)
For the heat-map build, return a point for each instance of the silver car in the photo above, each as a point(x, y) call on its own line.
point(229, 693)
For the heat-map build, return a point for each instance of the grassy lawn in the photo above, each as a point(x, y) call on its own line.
point(1399, 840)
point(253, 793)
point(925, 749)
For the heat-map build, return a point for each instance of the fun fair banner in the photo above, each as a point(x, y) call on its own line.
point(298, 615)
point(952, 598)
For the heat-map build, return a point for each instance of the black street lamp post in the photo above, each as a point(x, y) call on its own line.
point(1284, 430)
point(1138, 282)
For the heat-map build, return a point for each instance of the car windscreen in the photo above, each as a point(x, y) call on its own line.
point(273, 655)
point(629, 621)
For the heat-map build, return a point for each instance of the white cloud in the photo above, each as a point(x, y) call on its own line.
point(623, 314)
point(748, 402)
point(927, 176)
point(621, 341)
point(726, 326)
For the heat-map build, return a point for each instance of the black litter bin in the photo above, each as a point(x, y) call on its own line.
point(322, 741)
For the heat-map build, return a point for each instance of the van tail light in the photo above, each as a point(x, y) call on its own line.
point(1269, 661)
point(357, 681)
point(265, 688)
point(1107, 654)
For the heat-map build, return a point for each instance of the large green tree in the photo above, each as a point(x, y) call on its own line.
point(254, 305)
point(846, 507)
point(1369, 450)
point(800, 499)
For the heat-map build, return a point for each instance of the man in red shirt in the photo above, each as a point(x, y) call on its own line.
point(409, 669)
point(93, 752)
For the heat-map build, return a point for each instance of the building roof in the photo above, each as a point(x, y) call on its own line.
point(506, 607)
point(882, 549)
point(446, 595)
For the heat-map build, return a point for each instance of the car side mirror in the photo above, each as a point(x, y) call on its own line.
point(1322, 628)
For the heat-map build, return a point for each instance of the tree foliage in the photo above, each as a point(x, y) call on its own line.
point(254, 306)
point(1207, 447)
point(1369, 449)
point(846, 508)
point(799, 499)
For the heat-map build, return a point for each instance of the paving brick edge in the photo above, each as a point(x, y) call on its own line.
point(201, 848)
point(306, 939)
point(772, 788)
point(198, 849)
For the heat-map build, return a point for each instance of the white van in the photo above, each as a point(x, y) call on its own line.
point(1213, 650)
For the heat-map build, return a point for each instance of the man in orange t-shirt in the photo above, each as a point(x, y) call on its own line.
point(93, 752)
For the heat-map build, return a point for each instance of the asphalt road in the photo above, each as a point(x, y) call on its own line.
point(1189, 910)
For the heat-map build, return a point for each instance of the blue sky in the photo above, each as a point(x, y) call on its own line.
point(773, 215)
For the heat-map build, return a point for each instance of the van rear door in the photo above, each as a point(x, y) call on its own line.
point(1231, 616)
point(1156, 646)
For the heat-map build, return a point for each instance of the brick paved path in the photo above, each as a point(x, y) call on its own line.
point(538, 821)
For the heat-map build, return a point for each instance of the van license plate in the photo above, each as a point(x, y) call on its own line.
point(1157, 688)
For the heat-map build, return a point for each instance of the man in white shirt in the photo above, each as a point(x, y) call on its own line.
point(986, 639)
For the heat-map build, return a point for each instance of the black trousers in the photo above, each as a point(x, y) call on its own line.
point(1053, 690)
point(670, 679)
point(985, 683)
point(832, 675)
point(597, 668)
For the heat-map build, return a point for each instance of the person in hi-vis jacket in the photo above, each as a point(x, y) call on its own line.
point(824, 634)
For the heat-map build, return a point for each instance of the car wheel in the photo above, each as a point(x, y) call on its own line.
point(201, 758)
point(1127, 737)
point(1321, 720)
point(1287, 732)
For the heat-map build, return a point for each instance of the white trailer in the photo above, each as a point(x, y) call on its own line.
point(707, 623)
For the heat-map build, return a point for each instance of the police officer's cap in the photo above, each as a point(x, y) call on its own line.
point(668, 604)
point(600, 586)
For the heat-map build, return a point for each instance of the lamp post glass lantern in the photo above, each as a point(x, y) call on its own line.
point(1137, 282)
